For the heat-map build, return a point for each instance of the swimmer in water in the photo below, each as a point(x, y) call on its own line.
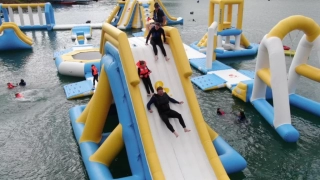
point(220, 112)
point(241, 117)
point(19, 95)
point(22, 83)
point(10, 85)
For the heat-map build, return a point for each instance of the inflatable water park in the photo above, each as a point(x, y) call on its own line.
point(125, 15)
point(151, 151)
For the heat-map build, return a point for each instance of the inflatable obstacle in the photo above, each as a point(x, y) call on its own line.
point(149, 144)
point(135, 13)
point(12, 38)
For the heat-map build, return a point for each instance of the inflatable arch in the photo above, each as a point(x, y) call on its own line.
point(299, 67)
point(271, 71)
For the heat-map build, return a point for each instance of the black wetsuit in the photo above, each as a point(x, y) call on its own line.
point(22, 83)
point(162, 104)
point(158, 16)
point(156, 40)
point(242, 118)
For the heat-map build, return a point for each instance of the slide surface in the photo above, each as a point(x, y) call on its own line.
point(127, 14)
point(183, 157)
point(10, 32)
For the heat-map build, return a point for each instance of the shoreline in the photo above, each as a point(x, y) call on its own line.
point(21, 1)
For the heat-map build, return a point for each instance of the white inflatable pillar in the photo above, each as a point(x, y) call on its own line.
point(11, 14)
point(271, 55)
point(21, 16)
point(260, 88)
point(227, 40)
point(279, 82)
point(301, 56)
point(30, 16)
point(237, 43)
point(40, 15)
point(210, 44)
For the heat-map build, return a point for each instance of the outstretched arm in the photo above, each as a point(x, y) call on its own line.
point(173, 100)
point(152, 100)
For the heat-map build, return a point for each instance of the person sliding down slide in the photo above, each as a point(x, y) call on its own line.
point(144, 74)
point(161, 101)
point(156, 32)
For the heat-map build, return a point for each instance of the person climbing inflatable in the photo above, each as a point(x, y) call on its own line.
point(10, 85)
point(95, 74)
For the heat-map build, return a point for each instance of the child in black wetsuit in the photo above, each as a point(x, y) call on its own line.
point(144, 74)
point(156, 33)
point(242, 117)
point(22, 83)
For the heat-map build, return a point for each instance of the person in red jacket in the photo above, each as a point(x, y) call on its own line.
point(94, 71)
point(19, 95)
point(144, 74)
point(11, 86)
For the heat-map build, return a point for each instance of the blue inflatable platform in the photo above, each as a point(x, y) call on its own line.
point(200, 64)
point(86, 30)
point(221, 54)
point(78, 89)
point(305, 104)
point(247, 73)
point(208, 82)
point(286, 131)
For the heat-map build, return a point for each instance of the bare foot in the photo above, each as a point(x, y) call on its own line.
point(176, 134)
point(186, 130)
point(156, 57)
point(148, 94)
point(167, 59)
